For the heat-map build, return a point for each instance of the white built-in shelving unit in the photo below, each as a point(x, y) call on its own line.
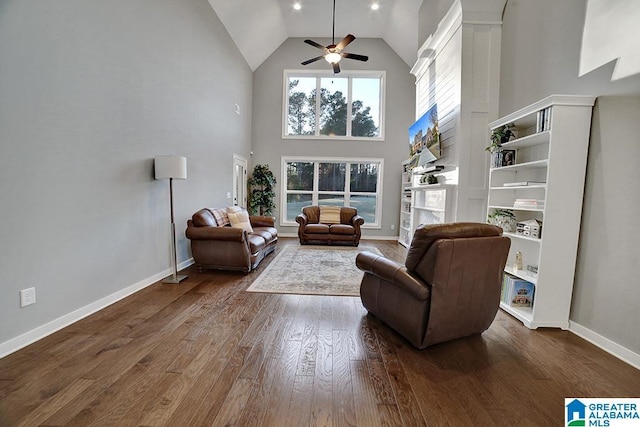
point(422, 203)
point(550, 165)
point(405, 235)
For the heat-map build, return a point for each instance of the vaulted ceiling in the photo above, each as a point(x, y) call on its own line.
point(258, 27)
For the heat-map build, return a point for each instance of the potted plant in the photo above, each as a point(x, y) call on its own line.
point(499, 136)
point(261, 191)
point(504, 219)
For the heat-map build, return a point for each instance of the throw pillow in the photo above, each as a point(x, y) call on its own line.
point(220, 216)
point(329, 214)
point(240, 220)
point(234, 209)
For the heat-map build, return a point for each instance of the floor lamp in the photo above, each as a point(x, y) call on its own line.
point(172, 167)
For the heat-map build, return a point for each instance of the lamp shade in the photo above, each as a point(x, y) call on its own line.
point(171, 167)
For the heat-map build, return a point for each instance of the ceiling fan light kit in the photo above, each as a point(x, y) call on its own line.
point(335, 52)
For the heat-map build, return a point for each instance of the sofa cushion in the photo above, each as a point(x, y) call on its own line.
point(343, 229)
point(204, 218)
point(317, 229)
point(240, 220)
point(220, 216)
point(267, 233)
point(330, 214)
point(256, 243)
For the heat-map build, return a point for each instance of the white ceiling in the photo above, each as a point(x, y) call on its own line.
point(258, 27)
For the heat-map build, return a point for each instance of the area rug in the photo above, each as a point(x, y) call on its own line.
point(313, 270)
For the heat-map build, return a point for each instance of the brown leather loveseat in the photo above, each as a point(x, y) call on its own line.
point(448, 288)
point(216, 244)
point(332, 225)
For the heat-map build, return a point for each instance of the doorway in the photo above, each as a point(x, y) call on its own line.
point(240, 165)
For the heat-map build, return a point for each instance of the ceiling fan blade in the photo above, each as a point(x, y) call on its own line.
point(314, 44)
point(345, 41)
point(309, 61)
point(336, 68)
point(354, 56)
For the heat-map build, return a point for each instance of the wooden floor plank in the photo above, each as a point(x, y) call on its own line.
point(206, 352)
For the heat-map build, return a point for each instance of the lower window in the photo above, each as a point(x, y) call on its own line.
point(332, 182)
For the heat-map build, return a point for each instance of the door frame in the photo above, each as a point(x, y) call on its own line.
point(239, 188)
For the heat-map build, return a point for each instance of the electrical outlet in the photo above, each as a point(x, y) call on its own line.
point(236, 109)
point(27, 297)
point(393, 226)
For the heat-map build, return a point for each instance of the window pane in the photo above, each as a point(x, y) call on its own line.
point(302, 109)
point(300, 176)
point(295, 203)
point(330, 200)
point(331, 176)
point(365, 107)
point(364, 177)
point(366, 206)
point(333, 106)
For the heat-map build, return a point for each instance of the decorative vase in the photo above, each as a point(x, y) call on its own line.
point(496, 159)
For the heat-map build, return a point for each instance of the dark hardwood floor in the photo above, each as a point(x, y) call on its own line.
point(207, 353)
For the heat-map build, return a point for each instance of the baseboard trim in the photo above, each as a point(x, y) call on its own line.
point(47, 329)
point(606, 344)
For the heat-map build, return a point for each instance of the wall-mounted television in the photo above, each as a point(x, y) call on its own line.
point(424, 138)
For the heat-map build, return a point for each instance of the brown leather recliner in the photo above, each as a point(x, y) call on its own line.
point(448, 288)
point(227, 248)
point(345, 232)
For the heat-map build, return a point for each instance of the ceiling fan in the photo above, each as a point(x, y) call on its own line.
point(334, 52)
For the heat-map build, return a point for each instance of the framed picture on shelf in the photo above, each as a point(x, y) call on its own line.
point(508, 157)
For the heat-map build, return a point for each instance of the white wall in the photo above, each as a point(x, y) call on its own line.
point(269, 146)
point(541, 43)
point(90, 92)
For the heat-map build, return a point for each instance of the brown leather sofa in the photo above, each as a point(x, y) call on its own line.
point(448, 288)
point(344, 230)
point(221, 246)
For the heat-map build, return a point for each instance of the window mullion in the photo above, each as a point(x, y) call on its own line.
point(318, 92)
point(316, 173)
point(347, 182)
point(349, 108)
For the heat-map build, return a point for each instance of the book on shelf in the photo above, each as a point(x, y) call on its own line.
point(543, 120)
point(522, 183)
point(517, 292)
point(528, 204)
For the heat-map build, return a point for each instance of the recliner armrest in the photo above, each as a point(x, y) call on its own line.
point(393, 273)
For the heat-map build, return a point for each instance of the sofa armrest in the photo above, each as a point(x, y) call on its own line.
point(229, 234)
point(262, 221)
point(392, 272)
point(357, 221)
point(302, 219)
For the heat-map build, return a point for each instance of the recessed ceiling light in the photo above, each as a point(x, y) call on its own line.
point(297, 6)
point(375, 6)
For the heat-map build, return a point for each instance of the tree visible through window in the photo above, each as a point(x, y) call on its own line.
point(334, 106)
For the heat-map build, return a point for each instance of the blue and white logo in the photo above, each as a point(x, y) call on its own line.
point(609, 412)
